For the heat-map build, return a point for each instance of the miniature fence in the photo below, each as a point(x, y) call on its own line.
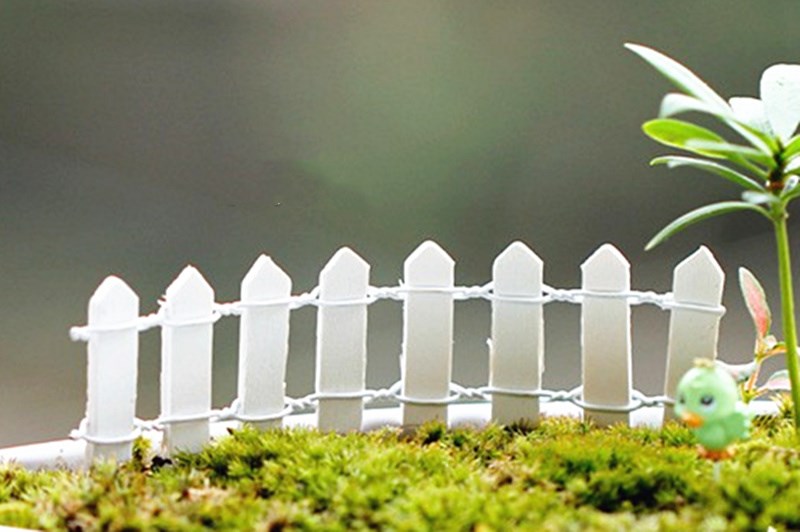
point(516, 348)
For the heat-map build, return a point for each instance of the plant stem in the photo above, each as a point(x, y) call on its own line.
point(787, 312)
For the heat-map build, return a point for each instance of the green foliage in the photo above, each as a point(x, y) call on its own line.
point(770, 162)
point(675, 161)
point(679, 134)
point(681, 77)
point(563, 474)
point(698, 215)
point(765, 159)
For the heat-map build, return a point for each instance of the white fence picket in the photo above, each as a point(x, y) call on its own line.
point(427, 332)
point(342, 341)
point(606, 334)
point(186, 342)
point(263, 342)
point(516, 354)
point(112, 368)
point(698, 280)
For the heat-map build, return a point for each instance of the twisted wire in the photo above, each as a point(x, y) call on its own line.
point(395, 293)
point(458, 394)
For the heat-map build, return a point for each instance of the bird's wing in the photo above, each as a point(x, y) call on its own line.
point(738, 423)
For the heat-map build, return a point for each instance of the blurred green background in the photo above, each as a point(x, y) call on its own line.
point(137, 137)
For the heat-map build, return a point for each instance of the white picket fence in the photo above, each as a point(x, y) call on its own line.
point(516, 347)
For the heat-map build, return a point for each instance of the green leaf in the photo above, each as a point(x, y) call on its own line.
point(792, 195)
point(760, 198)
point(792, 165)
point(675, 161)
point(762, 141)
point(792, 149)
point(698, 215)
point(680, 76)
point(756, 301)
point(730, 151)
point(679, 134)
point(692, 85)
point(791, 189)
point(675, 103)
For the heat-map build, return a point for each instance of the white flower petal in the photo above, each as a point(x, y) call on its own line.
point(751, 112)
point(780, 92)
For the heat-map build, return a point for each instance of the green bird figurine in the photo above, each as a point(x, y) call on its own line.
point(708, 402)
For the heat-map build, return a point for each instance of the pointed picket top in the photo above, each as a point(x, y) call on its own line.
point(111, 371)
point(344, 276)
point(606, 335)
point(113, 302)
point(186, 359)
point(516, 353)
point(699, 278)
point(427, 358)
point(263, 341)
point(517, 271)
point(189, 294)
point(265, 280)
point(429, 265)
point(607, 269)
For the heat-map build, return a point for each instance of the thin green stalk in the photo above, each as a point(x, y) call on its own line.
point(787, 311)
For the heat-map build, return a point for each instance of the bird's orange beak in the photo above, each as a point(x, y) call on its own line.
point(692, 420)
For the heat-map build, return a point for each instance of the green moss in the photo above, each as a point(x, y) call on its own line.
point(561, 475)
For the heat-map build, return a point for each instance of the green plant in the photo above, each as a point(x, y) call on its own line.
point(768, 166)
point(766, 344)
point(563, 474)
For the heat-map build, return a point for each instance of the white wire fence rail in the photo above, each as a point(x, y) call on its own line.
point(396, 293)
point(517, 294)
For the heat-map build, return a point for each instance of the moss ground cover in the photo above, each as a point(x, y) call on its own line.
point(561, 475)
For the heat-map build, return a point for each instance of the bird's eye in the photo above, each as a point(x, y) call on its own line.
point(707, 400)
point(682, 399)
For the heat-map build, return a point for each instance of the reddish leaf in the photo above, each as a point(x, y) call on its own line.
point(778, 381)
point(756, 301)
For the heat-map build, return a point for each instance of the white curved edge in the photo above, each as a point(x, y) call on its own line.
point(46, 455)
point(71, 453)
